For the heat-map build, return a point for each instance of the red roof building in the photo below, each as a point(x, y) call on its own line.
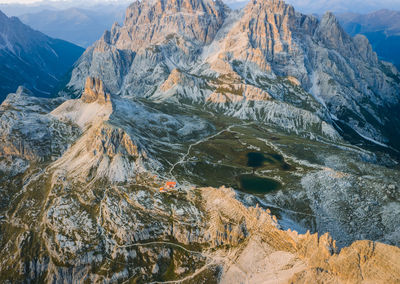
point(170, 184)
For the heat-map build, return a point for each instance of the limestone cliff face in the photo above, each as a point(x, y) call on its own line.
point(238, 92)
point(174, 79)
point(113, 141)
point(150, 22)
point(341, 72)
point(263, 34)
point(103, 152)
point(266, 41)
point(157, 36)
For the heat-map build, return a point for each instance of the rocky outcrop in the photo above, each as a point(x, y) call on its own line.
point(259, 250)
point(363, 261)
point(366, 202)
point(380, 27)
point(91, 110)
point(174, 80)
point(27, 132)
point(237, 92)
point(103, 152)
point(94, 92)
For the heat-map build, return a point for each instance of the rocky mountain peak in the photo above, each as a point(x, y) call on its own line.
point(263, 32)
point(4, 19)
point(268, 40)
point(277, 5)
point(329, 18)
point(95, 92)
point(331, 33)
point(270, 9)
point(196, 20)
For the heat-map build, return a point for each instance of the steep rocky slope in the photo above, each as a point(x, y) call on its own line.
point(32, 59)
point(267, 46)
point(342, 73)
point(28, 134)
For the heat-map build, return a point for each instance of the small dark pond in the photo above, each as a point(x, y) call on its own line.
point(258, 160)
point(255, 160)
point(254, 184)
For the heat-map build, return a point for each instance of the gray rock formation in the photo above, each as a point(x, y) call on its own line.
point(256, 47)
point(27, 132)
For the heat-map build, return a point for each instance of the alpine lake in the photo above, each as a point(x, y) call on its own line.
point(255, 184)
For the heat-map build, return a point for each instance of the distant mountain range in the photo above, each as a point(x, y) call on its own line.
point(79, 26)
point(18, 9)
point(382, 28)
point(32, 59)
point(336, 6)
point(342, 6)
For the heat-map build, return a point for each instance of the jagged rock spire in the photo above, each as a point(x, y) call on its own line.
point(95, 92)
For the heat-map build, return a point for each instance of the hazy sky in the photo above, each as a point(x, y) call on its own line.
point(76, 1)
point(358, 6)
point(18, 1)
point(307, 6)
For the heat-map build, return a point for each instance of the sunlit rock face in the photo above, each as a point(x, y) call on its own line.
point(194, 20)
point(178, 28)
point(342, 73)
point(204, 41)
point(94, 91)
